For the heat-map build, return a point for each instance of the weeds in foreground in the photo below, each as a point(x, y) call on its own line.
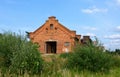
point(17, 55)
point(20, 58)
point(90, 58)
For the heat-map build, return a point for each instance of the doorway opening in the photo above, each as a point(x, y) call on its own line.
point(51, 47)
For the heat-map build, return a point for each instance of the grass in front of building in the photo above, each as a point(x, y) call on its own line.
point(53, 68)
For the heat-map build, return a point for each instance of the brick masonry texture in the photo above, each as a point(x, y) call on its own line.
point(53, 36)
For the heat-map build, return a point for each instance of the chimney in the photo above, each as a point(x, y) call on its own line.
point(86, 39)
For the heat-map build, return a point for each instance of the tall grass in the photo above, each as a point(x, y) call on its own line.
point(21, 58)
point(62, 72)
point(90, 57)
point(17, 55)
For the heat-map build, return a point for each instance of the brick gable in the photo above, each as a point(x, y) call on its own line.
point(53, 37)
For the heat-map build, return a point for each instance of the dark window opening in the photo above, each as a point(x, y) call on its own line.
point(51, 26)
point(47, 30)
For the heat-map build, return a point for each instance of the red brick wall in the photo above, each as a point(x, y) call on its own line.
point(59, 33)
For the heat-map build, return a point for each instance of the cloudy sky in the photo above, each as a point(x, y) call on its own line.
point(100, 18)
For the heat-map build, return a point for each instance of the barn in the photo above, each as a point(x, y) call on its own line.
point(53, 37)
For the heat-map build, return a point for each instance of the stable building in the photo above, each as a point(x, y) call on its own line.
point(53, 37)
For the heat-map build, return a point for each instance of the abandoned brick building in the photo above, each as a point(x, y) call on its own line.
point(53, 37)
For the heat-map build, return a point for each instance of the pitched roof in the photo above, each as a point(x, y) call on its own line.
point(53, 18)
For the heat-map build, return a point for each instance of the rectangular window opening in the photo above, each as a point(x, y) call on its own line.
point(51, 26)
point(67, 44)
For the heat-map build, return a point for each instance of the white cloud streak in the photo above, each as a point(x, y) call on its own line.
point(113, 3)
point(118, 28)
point(94, 10)
point(114, 36)
point(117, 2)
point(90, 34)
point(113, 44)
point(115, 41)
point(90, 28)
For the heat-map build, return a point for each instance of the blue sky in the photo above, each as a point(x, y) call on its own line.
point(100, 18)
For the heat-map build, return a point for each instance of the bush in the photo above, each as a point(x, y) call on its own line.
point(19, 55)
point(90, 57)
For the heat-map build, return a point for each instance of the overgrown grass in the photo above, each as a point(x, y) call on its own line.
point(20, 58)
point(17, 55)
point(53, 69)
point(90, 58)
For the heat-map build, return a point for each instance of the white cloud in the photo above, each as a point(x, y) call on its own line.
point(90, 28)
point(118, 28)
point(90, 34)
point(115, 41)
point(112, 44)
point(94, 10)
point(113, 3)
point(117, 2)
point(114, 36)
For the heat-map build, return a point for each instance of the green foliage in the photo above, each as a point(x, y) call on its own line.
point(117, 51)
point(90, 57)
point(65, 55)
point(17, 55)
point(116, 59)
point(54, 65)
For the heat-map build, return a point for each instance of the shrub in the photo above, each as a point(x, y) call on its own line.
point(90, 57)
point(19, 55)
